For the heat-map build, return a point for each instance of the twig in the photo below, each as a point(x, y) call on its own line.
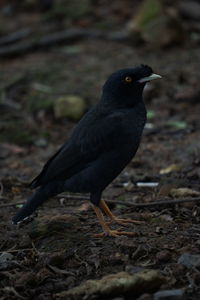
point(35, 249)
point(73, 196)
point(15, 36)
point(17, 250)
point(60, 271)
point(125, 203)
point(129, 203)
point(66, 36)
point(155, 203)
point(18, 49)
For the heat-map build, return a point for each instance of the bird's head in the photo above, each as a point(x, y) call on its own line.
point(124, 87)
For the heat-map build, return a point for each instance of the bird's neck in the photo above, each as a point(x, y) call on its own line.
point(129, 101)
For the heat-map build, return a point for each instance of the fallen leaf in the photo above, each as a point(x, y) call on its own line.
point(184, 192)
point(177, 124)
point(169, 169)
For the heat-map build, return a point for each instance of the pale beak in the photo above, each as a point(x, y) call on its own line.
point(149, 78)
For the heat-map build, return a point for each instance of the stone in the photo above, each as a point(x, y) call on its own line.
point(163, 256)
point(56, 233)
point(115, 285)
point(189, 260)
point(72, 107)
point(156, 27)
point(176, 294)
point(5, 260)
point(184, 192)
point(41, 142)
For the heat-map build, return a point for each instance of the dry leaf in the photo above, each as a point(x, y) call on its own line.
point(184, 192)
point(169, 169)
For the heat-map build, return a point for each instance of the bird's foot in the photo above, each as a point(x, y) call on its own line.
point(115, 233)
point(125, 222)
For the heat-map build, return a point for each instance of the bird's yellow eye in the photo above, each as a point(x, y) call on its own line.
point(128, 79)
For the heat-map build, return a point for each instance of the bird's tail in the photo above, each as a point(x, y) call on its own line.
point(38, 198)
point(30, 206)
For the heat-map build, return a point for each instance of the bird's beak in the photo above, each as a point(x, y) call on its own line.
point(149, 78)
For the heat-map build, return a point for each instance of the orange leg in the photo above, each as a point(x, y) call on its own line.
point(106, 230)
point(123, 222)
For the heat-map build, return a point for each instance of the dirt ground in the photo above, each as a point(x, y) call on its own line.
point(55, 250)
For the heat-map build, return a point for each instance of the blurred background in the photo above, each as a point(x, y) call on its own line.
point(55, 56)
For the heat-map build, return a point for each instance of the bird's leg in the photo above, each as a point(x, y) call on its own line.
point(120, 221)
point(106, 230)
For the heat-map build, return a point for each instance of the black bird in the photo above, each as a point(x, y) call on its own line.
point(101, 145)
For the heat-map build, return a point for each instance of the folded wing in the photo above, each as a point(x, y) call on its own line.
point(86, 144)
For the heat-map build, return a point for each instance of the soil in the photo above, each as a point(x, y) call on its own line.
point(55, 249)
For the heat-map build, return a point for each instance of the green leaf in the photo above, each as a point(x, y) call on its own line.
point(177, 124)
point(150, 114)
point(19, 205)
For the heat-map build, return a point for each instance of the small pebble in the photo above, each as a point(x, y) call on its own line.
point(177, 294)
point(163, 256)
point(189, 260)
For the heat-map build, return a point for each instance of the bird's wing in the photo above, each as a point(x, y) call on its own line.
point(86, 144)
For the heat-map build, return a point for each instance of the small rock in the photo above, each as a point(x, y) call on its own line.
point(56, 233)
point(148, 11)
point(5, 260)
point(166, 218)
point(72, 107)
point(163, 256)
point(159, 229)
point(115, 285)
point(155, 26)
point(177, 294)
point(41, 142)
point(189, 260)
point(46, 226)
point(184, 192)
point(164, 31)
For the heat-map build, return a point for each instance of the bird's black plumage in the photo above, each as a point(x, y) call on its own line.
point(101, 145)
